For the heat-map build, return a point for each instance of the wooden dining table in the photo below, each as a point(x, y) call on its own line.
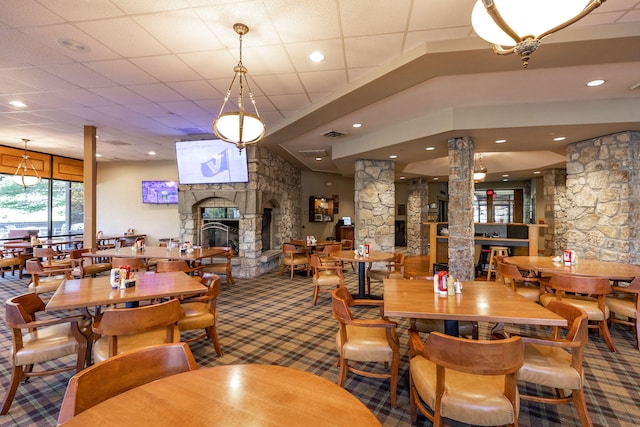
point(617, 271)
point(350, 256)
point(479, 302)
point(232, 395)
point(96, 291)
point(158, 252)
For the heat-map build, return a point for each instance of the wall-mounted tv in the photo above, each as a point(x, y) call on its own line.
point(160, 192)
point(210, 161)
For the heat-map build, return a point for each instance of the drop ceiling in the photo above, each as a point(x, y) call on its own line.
point(411, 72)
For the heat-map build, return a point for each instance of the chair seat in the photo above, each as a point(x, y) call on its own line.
point(47, 284)
point(327, 278)
point(623, 305)
point(473, 399)
point(48, 343)
point(296, 260)
point(132, 342)
point(10, 262)
point(378, 275)
point(196, 316)
point(529, 292)
point(588, 304)
point(366, 344)
point(549, 366)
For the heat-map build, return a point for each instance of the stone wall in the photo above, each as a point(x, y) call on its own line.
point(273, 183)
point(417, 210)
point(556, 205)
point(603, 188)
point(375, 204)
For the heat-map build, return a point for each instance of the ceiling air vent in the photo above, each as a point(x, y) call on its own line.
point(333, 134)
point(313, 153)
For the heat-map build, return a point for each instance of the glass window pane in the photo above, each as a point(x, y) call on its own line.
point(23, 210)
point(68, 208)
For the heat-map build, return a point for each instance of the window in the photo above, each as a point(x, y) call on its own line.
point(497, 209)
point(53, 208)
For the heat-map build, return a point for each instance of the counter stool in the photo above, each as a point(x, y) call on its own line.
point(495, 251)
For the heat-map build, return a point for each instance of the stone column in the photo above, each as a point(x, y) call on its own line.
point(375, 199)
point(417, 210)
point(555, 211)
point(461, 229)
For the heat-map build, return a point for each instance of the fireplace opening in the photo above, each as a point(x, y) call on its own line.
point(228, 216)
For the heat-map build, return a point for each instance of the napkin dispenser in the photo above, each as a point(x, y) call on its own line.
point(569, 257)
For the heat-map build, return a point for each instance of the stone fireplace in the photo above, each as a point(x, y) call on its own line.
point(263, 213)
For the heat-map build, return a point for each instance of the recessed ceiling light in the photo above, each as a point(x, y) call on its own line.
point(559, 138)
point(318, 158)
point(98, 155)
point(17, 104)
point(316, 56)
point(151, 153)
point(402, 177)
point(594, 83)
point(436, 178)
point(430, 148)
point(505, 175)
point(536, 173)
point(393, 156)
point(357, 125)
point(505, 179)
point(500, 141)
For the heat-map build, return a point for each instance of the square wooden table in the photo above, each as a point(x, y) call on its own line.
point(97, 291)
point(478, 302)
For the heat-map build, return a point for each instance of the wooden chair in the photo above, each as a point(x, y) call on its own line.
point(624, 306)
point(136, 264)
point(347, 245)
point(325, 254)
point(123, 330)
point(496, 251)
point(465, 328)
point(444, 379)
point(395, 269)
point(201, 313)
point(587, 293)
point(38, 341)
point(11, 261)
point(51, 258)
point(556, 362)
point(360, 340)
point(528, 287)
point(326, 276)
point(295, 259)
point(167, 265)
point(87, 266)
point(45, 279)
point(121, 373)
point(221, 265)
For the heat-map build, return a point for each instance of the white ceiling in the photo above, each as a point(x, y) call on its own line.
point(413, 72)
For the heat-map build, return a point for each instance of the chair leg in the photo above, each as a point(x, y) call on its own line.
point(16, 377)
point(212, 333)
point(604, 329)
point(342, 376)
point(581, 407)
point(316, 290)
point(393, 383)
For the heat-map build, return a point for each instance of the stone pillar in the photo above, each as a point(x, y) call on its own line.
point(375, 199)
point(602, 190)
point(417, 210)
point(461, 228)
point(555, 211)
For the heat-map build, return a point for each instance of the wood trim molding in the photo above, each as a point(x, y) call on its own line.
point(67, 169)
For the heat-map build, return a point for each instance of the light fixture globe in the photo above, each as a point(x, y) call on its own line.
point(26, 174)
point(522, 24)
point(239, 127)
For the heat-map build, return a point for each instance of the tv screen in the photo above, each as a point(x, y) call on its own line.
point(210, 161)
point(160, 192)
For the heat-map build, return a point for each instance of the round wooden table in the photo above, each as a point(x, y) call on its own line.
point(362, 260)
point(232, 395)
point(582, 267)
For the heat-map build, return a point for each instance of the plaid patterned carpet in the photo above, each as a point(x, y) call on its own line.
point(270, 320)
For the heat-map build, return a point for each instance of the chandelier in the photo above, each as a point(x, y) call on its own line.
point(479, 171)
point(239, 127)
point(520, 25)
point(26, 174)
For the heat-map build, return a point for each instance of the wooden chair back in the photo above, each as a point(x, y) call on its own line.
point(580, 284)
point(121, 373)
point(127, 321)
point(136, 264)
point(331, 248)
point(167, 265)
point(341, 302)
point(346, 244)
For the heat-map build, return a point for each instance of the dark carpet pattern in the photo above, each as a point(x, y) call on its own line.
point(270, 320)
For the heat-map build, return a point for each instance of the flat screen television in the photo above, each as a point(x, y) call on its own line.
point(210, 161)
point(160, 192)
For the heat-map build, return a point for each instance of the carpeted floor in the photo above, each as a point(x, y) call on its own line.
point(270, 320)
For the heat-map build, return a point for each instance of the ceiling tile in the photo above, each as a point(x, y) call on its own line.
point(372, 50)
point(167, 68)
point(122, 71)
point(363, 17)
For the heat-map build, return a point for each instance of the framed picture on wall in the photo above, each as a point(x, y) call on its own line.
point(402, 210)
point(336, 203)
